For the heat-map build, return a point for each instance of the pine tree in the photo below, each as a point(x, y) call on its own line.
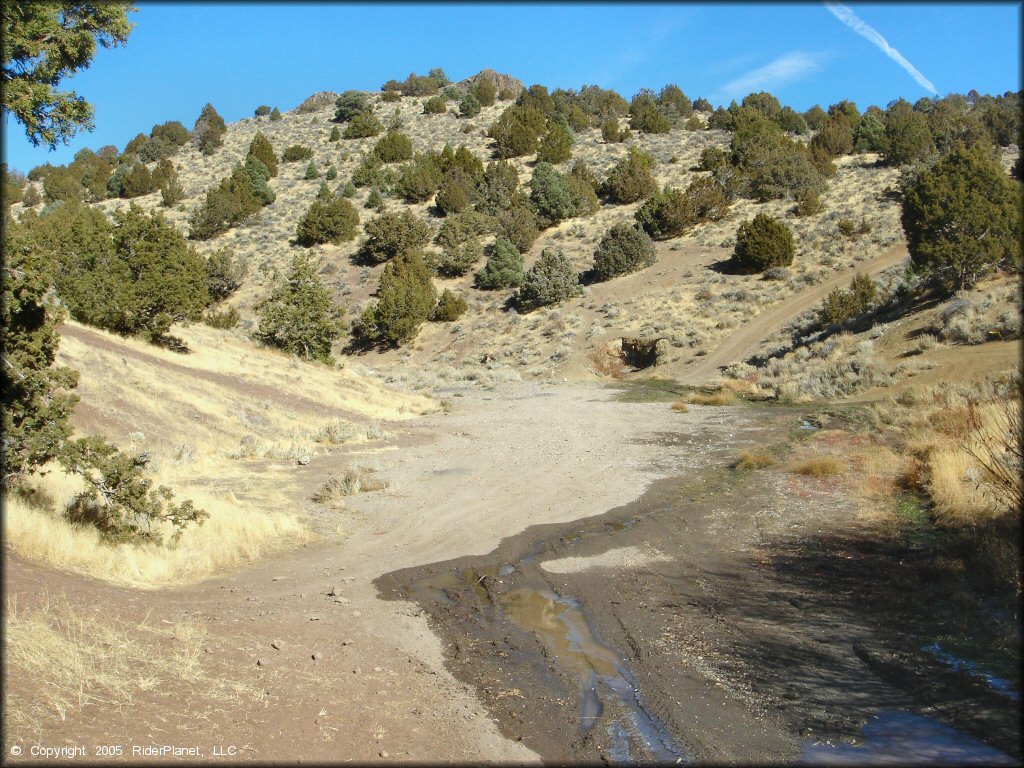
point(299, 316)
point(405, 300)
point(209, 130)
point(551, 280)
point(263, 150)
point(36, 396)
point(504, 267)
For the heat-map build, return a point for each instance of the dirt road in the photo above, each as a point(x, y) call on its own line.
point(458, 484)
point(744, 342)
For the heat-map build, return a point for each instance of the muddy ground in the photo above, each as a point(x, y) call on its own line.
point(725, 616)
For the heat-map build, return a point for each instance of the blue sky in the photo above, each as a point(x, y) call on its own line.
point(238, 56)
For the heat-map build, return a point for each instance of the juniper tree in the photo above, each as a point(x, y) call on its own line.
point(299, 316)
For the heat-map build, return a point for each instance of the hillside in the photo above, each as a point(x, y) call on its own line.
point(743, 499)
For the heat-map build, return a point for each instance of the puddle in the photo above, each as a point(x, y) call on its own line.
point(905, 738)
point(997, 684)
point(606, 684)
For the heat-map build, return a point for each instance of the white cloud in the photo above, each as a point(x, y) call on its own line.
point(850, 19)
point(785, 69)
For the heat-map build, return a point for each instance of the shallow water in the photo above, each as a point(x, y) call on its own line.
point(563, 628)
point(905, 738)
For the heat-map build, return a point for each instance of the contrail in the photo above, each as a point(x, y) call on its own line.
point(850, 19)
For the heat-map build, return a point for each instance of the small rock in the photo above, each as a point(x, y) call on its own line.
point(356, 613)
point(357, 671)
point(342, 600)
point(378, 669)
point(384, 754)
point(303, 460)
point(317, 655)
point(276, 645)
point(334, 592)
point(262, 663)
point(314, 618)
point(346, 642)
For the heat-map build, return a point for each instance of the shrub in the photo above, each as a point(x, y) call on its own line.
point(907, 138)
point(332, 173)
point(702, 105)
point(456, 192)
point(363, 126)
point(631, 179)
point(120, 500)
point(390, 96)
point(551, 280)
point(622, 250)
point(263, 150)
point(419, 179)
point(391, 235)
point(335, 134)
point(469, 106)
point(172, 131)
point(835, 137)
point(674, 101)
point(375, 200)
point(394, 147)
point(808, 204)
point(459, 258)
point(405, 299)
point(434, 106)
point(227, 318)
point(262, 111)
point(518, 224)
point(349, 105)
point(233, 200)
point(666, 214)
point(584, 198)
point(646, 116)
point(209, 130)
point(870, 134)
point(299, 315)
point(551, 195)
point(224, 274)
point(500, 181)
point(556, 146)
point(485, 91)
point(962, 219)
point(611, 133)
point(763, 243)
point(296, 153)
point(450, 307)
point(349, 190)
point(311, 172)
point(369, 172)
point(61, 184)
point(275, 115)
point(331, 220)
point(517, 130)
point(504, 267)
point(461, 227)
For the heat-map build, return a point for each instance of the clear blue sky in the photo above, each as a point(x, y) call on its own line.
point(238, 56)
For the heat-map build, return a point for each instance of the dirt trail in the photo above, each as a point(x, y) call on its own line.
point(459, 483)
point(744, 342)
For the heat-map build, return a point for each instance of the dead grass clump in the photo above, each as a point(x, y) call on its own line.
point(680, 406)
point(721, 397)
point(76, 659)
point(819, 466)
point(352, 481)
point(754, 458)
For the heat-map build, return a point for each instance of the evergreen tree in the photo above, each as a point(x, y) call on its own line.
point(37, 397)
point(405, 300)
point(622, 250)
point(209, 130)
point(551, 195)
point(263, 150)
point(763, 243)
point(391, 235)
point(330, 220)
point(299, 315)
point(504, 267)
point(962, 219)
point(551, 280)
point(631, 179)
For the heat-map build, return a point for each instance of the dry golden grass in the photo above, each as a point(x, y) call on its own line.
point(75, 659)
point(352, 481)
point(819, 466)
point(755, 458)
point(236, 532)
point(721, 397)
point(680, 406)
point(224, 426)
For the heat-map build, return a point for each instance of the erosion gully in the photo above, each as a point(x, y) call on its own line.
point(573, 663)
